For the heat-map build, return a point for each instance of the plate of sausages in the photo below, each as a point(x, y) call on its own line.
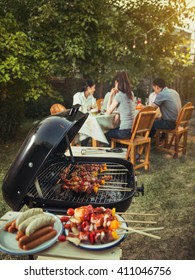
point(30, 232)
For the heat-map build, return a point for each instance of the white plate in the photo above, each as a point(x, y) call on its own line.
point(9, 244)
point(106, 245)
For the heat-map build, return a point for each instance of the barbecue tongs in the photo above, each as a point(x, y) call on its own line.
point(94, 151)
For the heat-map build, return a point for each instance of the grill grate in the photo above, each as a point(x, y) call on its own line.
point(51, 188)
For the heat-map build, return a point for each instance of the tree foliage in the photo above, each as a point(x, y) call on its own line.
point(96, 37)
point(41, 39)
point(23, 66)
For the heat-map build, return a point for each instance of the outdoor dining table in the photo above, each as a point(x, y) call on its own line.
point(97, 125)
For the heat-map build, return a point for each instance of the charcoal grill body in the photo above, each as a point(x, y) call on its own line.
point(33, 178)
point(54, 199)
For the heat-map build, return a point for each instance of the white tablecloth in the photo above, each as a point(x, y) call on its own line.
point(96, 125)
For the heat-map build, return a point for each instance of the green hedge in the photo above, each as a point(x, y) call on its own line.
point(39, 108)
point(13, 111)
point(11, 116)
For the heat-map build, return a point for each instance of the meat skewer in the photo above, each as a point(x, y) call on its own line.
point(85, 179)
point(105, 186)
point(141, 222)
point(117, 169)
point(116, 183)
point(136, 214)
point(94, 237)
point(141, 229)
point(66, 218)
point(115, 189)
point(115, 173)
point(99, 225)
point(141, 232)
point(115, 165)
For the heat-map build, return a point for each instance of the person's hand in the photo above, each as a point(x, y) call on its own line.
point(113, 91)
point(116, 119)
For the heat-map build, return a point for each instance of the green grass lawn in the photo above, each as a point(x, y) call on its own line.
point(169, 192)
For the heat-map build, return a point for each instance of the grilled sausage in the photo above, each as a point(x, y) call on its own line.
point(25, 215)
point(38, 223)
point(6, 226)
point(11, 229)
point(31, 245)
point(23, 225)
point(41, 232)
point(13, 223)
point(19, 234)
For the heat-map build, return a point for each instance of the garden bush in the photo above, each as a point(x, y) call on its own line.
point(11, 116)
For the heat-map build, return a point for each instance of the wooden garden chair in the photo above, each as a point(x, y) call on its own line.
point(176, 139)
point(139, 143)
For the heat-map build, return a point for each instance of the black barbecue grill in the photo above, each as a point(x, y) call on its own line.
point(34, 177)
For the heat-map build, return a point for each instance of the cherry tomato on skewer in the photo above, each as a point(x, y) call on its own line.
point(70, 212)
point(64, 219)
point(62, 238)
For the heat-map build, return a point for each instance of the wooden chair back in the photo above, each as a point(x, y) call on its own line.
point(175, 140)
point(139, 142)
point(143, 122)
point(184, 115)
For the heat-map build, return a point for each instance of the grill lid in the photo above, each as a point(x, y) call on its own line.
point(47, 139)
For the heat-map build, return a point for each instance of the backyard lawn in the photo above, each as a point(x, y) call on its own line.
point(169, 192)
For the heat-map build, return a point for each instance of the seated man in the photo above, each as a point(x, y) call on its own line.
point(151, 99)
point(169, 102)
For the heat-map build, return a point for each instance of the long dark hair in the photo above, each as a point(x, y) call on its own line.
point(124, 83)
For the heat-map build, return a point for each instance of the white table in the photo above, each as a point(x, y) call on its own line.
point(96, 126)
